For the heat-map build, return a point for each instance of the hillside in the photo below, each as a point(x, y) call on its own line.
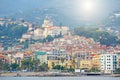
point(9, 34)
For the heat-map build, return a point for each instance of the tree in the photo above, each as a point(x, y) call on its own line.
point(73, 63)
point(43, 67)
point(117, 71)
point(6, 66)
point(26, 43)
point(18, 30)
point(53, 64)
point(49, 38)
point(93, 69)
point(1, 64)
point(36, 65)
point(11, 33)
point(62, 60)
point(14, 66)
point(101, 36)
point(57, 67)
point(27, 65)
point(71, 69)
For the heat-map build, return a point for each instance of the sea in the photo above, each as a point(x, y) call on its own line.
point(62, 78)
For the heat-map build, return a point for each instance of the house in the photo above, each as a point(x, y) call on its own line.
point(108, 63)
point(65, 63)
point(118, 59)
point(96, 61)
point(86, 64)
point(41, 56)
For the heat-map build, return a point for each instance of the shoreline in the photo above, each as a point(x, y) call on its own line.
point(32, 74)
point(48, 74)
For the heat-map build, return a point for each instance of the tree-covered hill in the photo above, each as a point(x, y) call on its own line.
point(101, 36)
point(9, 34)
point(12, 31)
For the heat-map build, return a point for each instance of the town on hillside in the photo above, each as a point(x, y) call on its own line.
point(53, 48)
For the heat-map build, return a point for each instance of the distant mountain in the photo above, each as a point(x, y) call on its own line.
point(113, 21)
point(60, 11)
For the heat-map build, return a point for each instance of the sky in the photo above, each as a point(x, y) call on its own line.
point(79, 9)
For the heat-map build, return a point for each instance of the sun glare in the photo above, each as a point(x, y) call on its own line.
point(88, 6)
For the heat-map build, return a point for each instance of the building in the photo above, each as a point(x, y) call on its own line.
point(49, 29)
point(38, 33)
point(86, 64)
point(57, 55)
point(41, 56)
point(65, 63)
point(27, 36)
point(108, 63)
point(118, 59)
point(18, 57)
point(58, 58)
point(15, 57)
point(96, 61)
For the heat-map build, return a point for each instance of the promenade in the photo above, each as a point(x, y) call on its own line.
point(50, 74)
point(40, 74)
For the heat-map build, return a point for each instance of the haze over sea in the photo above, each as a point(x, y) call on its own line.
point(62, 78)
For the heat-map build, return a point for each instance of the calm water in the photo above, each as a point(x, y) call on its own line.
point(61, 78)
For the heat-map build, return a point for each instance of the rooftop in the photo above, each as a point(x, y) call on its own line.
point(40, 53)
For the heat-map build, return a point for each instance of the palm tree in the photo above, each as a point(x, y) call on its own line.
point(62, 60)
point(1, 64)
point(53, 65)
point(36, 64)
point(73, 63)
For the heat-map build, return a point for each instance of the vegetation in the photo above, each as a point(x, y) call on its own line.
point(49, 38)
point(43, 67)
point(9, 34)
point(101, 36)
point(117, 71)
point(12, 31)
point(36, 65)
point(59, 67)
point(93, 69)
point(71, 69)
point(62, 60)
point(4, 66)
point(1, 65)
point(53, 65)
point(73, 63)
point(27, 65)
point(14, 66)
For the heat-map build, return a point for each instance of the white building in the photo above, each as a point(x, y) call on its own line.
point(27, 36)
point(46, 29)
point(38, 33)
point(108, 62)
point(41, 56)
point(49, 29)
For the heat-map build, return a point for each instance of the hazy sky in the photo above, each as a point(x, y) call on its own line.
point(75, 8)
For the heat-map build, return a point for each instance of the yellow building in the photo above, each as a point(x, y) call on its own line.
point(15, 58)
point(85, 64)
point(118, 62)
point(10, 58)
point(118, 59)
point(96, 61)
point(66, 63)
